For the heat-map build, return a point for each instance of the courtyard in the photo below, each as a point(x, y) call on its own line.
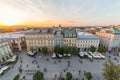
point(54, 67)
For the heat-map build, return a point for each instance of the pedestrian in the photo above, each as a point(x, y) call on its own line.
point(81, 61)
point(69, 62)
point(55, 75)
point(79, 72)
point(45, 70)
point(27, 65)
point(84, 71)
point(64, 70)
point(68, 65)
point(20, 65)
point(59, 61)
point(20, 61)
point(23, 77)
point(47, 59)
point(38, 66)
point(36, 62)
point(55, 62)
point(12, 66)
point(76, 78)
point(32, 62)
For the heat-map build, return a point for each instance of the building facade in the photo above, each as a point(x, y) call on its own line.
point(58, 38)
point(86, 40)
point(109, 38)
point(5, 50)
point(37, 39)
point(70, 37)
point(17, 41)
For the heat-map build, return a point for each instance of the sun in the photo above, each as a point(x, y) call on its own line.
point(10, 20)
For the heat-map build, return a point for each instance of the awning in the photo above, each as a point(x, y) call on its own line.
point(2, 69)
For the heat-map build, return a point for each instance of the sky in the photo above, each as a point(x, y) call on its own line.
point(64, 12)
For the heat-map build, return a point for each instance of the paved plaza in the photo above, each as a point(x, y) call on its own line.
point(53, 67)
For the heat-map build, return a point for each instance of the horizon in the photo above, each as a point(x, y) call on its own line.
point(53, 12)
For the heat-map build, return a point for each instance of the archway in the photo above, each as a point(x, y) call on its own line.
point(3, 59)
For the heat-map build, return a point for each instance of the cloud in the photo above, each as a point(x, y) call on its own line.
point(79, 11)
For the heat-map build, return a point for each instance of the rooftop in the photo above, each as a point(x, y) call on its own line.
point(11, 35)
point(69, 32)
point(85, 35)
point(43, 31)
point(113, 31)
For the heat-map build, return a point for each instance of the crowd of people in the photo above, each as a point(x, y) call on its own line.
point(56, 77)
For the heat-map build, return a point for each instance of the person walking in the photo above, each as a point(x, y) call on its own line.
point(38, 66)
point(27, 65)
point(79, 72)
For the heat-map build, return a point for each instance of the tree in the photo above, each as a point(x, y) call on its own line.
point(74, 50)
point(16, 77)
point(61, 51)
point(101, 49)
point(33, 48)
point(44, 50)
point(88, 75)
point(38, 76)
point(119, 49)
point(66, 49)
point(57, 49)
point(111, 71)
point(92, 49)
point(68, 76)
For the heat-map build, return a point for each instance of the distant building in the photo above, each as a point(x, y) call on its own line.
point(70, 37)
point(36, 39)
point(109, 38)
point(59, 40)
point(118, 26)
point(17, 41)
point(58, 36)
point(86, 40)
point(5, 51)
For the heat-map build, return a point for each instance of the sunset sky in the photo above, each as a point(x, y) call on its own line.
point(54, 12)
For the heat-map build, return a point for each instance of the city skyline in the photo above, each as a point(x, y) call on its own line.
point(64, 12)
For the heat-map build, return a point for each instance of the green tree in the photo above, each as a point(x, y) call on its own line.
point(111, 71)
point(44, 50)
point(38, 76)
point(88, 75)
point(101, 49)
point(33, 48)
point(16, 77)
point(119, 49)
point(74, 50)
point(61, 51)
point(66, 49)
point(57, 49)
point(68, 76)
point(92, 49)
